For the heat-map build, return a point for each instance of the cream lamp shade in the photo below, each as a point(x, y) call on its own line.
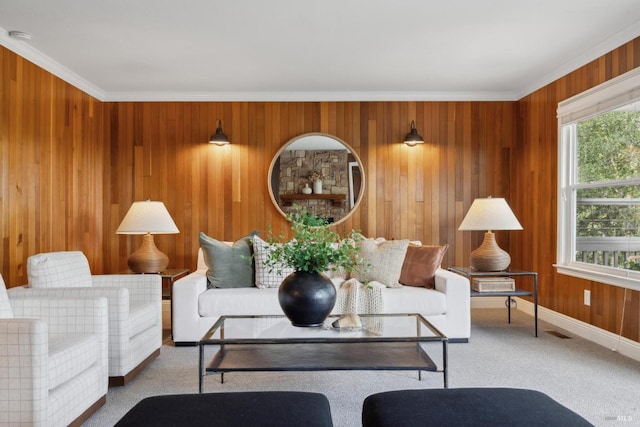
point(147, 218)
point(490, 214)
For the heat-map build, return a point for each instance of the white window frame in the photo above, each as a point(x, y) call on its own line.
point(607, 96)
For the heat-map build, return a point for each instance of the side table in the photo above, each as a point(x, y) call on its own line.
point(469, 273)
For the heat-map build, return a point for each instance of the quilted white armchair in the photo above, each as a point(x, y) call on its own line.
point(135, 306)
point(53, 359)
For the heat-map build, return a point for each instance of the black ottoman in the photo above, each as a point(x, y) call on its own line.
point(268, 408)
point(466, 407)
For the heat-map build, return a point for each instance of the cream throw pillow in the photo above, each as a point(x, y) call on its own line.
point(382, 261)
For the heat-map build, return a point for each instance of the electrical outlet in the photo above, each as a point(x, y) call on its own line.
point(587, 297)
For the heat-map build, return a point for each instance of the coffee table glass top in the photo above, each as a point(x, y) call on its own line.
point(278, 330)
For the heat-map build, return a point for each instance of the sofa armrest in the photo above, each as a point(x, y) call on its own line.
point(184, 301)
point(458, 317)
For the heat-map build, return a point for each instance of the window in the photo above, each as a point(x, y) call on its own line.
point(599, 183)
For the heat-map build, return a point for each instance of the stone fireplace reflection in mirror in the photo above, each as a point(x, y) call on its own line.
point(307, 158)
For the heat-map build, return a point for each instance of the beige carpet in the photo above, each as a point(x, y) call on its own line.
point(597, 383)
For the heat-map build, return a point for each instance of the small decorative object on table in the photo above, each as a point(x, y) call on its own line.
point(493, 284)
point(316, 178)
point(307, 295)
point(351, 321)
point(306, 189)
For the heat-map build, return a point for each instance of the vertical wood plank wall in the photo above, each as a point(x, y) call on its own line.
point(159, 151)
point(51, 163)
point(71, 166)
point(533, 195)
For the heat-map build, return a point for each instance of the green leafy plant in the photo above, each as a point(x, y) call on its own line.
point(314, 247)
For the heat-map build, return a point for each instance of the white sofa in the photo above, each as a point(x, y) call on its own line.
point(195, 308)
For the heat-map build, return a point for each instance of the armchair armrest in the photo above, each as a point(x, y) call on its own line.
point(63, 316)
point(117, 298)
point(31, 335)
point(142, 287)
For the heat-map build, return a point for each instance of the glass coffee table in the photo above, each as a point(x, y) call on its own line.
point(271, 343)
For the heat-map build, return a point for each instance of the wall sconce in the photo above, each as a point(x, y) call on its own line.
point(219, 138)
point(147, 218)
point(412, 137)
point(490, 214)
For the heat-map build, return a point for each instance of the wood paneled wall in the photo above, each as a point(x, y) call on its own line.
point(51, 163)
point(533, 196)
point(160, 151)
point(71, 166)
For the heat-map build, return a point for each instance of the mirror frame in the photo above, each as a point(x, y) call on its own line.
point(274, 200)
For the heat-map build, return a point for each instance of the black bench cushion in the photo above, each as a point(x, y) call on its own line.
point(269, 408)
point(466, 407)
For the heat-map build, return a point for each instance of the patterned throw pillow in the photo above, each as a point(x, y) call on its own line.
point(420, 265)
point(382, 261)
point(264, 277)
point(228, 266)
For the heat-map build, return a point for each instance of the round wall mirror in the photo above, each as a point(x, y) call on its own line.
point(318, 172)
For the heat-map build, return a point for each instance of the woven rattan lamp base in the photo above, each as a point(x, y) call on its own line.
point(489, 256)
point(148, 258)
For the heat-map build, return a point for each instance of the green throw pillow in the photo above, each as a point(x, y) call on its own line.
point(229, 266)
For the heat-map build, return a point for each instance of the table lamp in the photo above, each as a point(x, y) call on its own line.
point(147, 218)
point(490, 214)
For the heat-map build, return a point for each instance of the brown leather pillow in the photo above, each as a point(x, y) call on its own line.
point(420, 265)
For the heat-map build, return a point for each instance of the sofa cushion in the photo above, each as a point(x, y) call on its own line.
point(70, 355)
point(420, 265)
point(229, 266)
point(382, 261)
point(409, 299)
point(59, 269)
point(266, 278)
point(254, 301)
point(240, 301)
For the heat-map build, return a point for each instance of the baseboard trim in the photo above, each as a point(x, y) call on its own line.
point(584, 330)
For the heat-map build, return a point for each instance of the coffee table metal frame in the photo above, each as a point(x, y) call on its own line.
point(331, 349)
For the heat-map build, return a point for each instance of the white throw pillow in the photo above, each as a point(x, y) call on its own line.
point(382, 261)
point(264, 277)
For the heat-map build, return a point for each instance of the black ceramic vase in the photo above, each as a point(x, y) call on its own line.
point(307, 298)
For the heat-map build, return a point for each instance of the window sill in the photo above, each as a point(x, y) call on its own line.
point(623, 280)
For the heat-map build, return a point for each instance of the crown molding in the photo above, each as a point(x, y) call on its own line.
point(43, 61)
point(309, 96)
point(623, 36)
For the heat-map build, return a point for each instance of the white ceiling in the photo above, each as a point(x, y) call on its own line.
point(315, 50)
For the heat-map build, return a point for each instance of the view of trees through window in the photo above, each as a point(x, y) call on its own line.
point(608, 188)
